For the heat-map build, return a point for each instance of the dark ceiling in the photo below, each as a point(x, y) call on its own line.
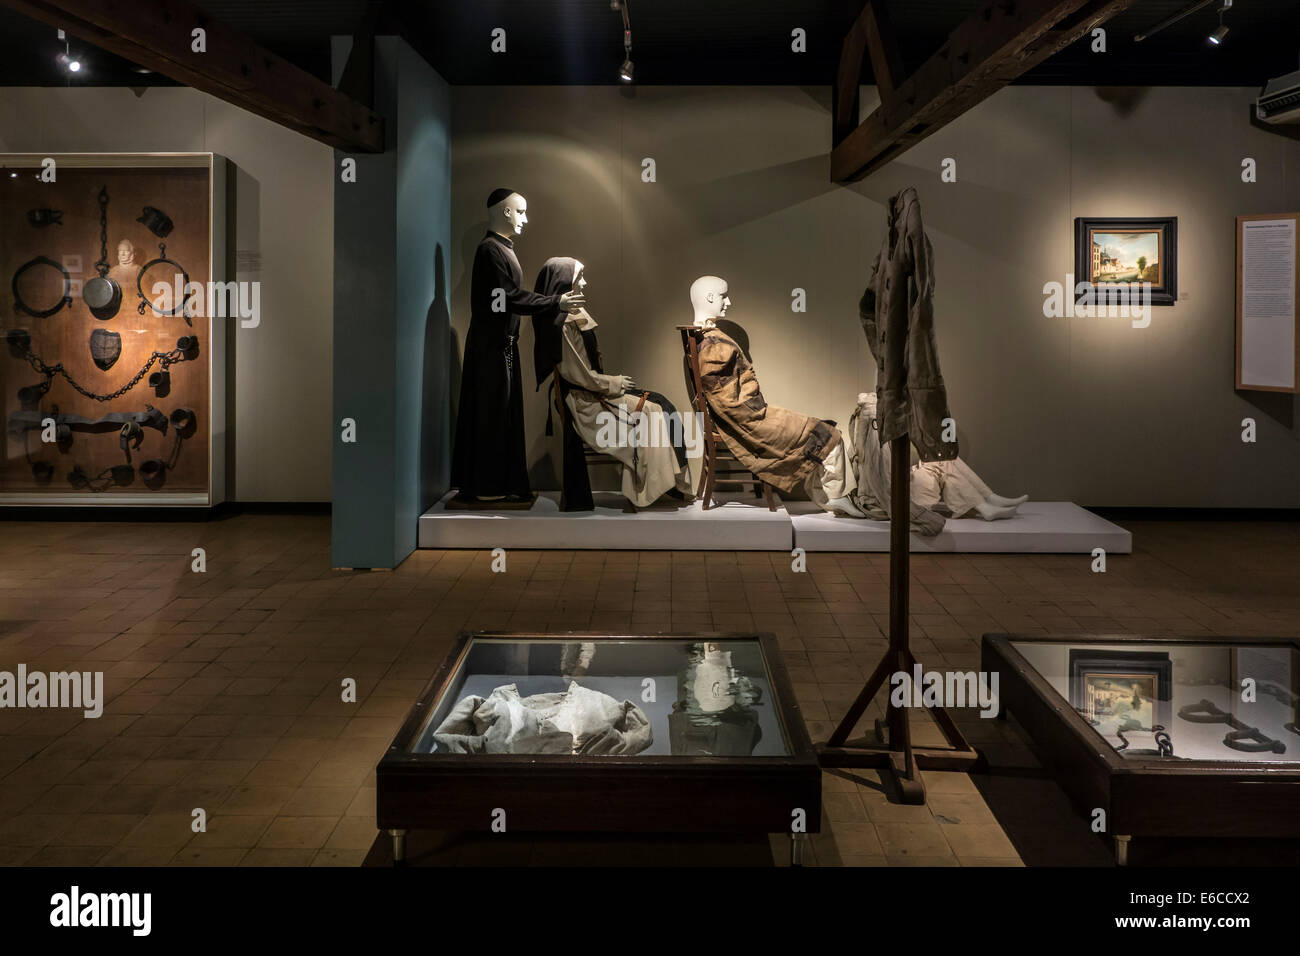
point(691, 41)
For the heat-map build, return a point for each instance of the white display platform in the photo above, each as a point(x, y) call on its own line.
point(1041, 527)
point(739, 524)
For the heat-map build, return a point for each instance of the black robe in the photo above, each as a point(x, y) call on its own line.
point(489, 456)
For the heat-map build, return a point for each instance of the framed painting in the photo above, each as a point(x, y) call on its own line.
point(1121, 690)
point(1116, 254)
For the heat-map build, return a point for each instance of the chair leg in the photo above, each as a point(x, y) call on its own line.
point(709, 465)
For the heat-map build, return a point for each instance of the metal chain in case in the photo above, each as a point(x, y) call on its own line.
point(163, 359)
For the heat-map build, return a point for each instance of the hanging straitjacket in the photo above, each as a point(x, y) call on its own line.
point(105, 348)
point(897, 313)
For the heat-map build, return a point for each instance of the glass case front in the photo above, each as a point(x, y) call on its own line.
point(1180, 701)
point(607, 697)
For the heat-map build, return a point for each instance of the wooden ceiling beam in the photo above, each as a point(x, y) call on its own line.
point(156, 34)
point(988, 50)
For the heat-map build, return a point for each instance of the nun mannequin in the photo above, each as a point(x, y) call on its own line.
point(784, 448)
point(608, 413)
point(489, 460)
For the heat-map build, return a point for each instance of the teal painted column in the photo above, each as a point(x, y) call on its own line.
point(392, 235)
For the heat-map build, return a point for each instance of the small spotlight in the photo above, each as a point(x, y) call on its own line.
point(1218, 36)
point(74, 66)
point(13, 175)
point(625, 72)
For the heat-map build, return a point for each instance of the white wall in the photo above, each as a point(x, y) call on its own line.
point(284, 212)
point(1090, 410)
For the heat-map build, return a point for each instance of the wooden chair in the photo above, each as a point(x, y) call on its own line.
point(717, 460)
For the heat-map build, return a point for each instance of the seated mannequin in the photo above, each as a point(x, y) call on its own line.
point(608, 413)
point(953, 484)
point(783, 448)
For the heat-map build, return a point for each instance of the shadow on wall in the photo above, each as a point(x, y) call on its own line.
point(1279, 406)
point(468, 244)
point(441, 367)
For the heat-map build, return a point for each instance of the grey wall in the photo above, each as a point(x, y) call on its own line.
point(1090, 410)
point(280, 394)
point(391, 232)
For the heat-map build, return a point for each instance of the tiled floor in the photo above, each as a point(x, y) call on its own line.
point(224, 687)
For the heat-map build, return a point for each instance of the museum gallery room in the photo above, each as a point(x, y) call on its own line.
point(656, 432)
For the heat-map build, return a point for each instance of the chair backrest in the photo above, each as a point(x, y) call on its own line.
point(691, 336)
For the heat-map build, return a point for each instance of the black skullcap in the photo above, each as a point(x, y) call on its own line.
point(498, 195)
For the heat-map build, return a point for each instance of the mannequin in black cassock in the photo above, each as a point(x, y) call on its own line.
point(488, 461)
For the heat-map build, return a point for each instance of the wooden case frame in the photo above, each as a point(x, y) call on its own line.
point(561, 792)
point(212, 332)
point(1143, 796)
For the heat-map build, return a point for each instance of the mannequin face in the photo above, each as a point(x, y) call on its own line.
point(724, 303)
point(515, 211)
point(710, 299)
point(579, 278)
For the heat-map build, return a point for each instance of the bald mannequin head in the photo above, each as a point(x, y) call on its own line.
point(709, 300)
point(508, 216)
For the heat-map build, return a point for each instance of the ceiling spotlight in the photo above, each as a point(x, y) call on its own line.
point(66, 59)
point(625, 72)
point(1219, 35)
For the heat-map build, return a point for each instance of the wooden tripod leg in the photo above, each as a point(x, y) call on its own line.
point(769, 496)
point(859, 706)
point(902, 761)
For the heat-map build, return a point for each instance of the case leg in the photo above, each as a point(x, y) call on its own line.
point(1121, 850)
point(797, 841)
point(399, 846)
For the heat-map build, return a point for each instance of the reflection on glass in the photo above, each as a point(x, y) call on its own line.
point(715, 712)
point(648, 696)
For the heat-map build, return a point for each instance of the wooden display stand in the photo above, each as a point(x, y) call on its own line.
point(899, 759)
point(717, 458)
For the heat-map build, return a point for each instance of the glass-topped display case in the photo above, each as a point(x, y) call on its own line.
point(1169, 736)
point(689, 733)
point(1185, 701)
point(607, 697)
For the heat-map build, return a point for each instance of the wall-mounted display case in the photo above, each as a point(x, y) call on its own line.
point(633, 733)
point(1171, 737)
point(112, 364)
